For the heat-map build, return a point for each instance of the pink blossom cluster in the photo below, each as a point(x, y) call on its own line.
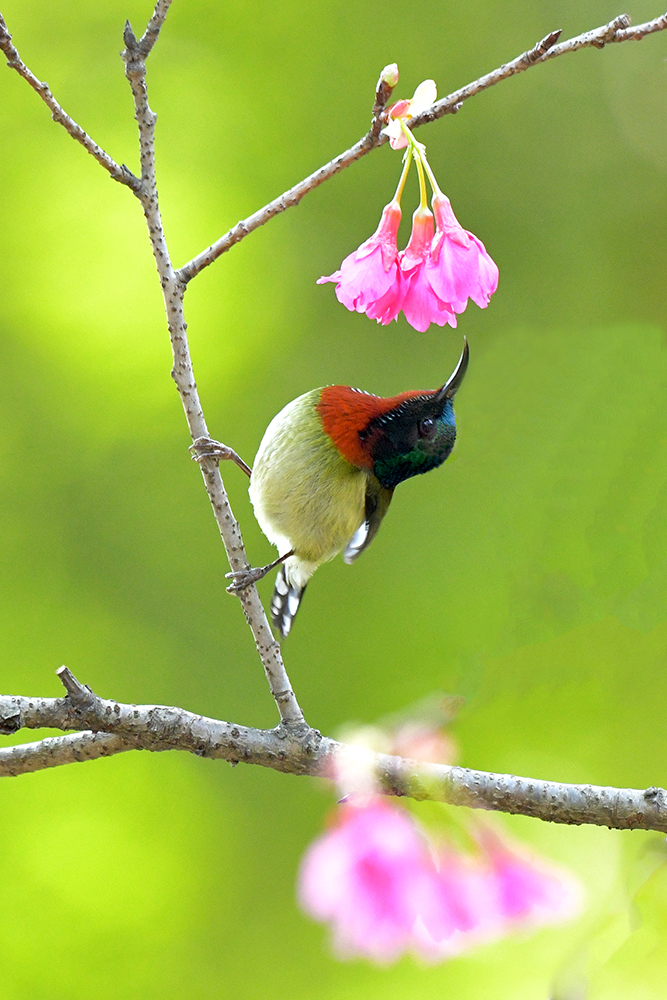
point(442, 267)
point(386, 891)
point(443, 264)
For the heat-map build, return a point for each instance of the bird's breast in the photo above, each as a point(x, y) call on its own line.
point(306, 497)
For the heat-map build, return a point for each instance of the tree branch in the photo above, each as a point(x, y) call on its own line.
point(56, 750)
point(183, 374)
point(14, 61)
point(108, 727)
point(616, 31)
point(145, 189)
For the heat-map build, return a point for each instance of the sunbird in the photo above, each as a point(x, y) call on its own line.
point(326, 470)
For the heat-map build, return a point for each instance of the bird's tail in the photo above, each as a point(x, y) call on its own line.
point(285, 602)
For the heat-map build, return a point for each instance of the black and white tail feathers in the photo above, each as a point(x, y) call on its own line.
point(285, 603)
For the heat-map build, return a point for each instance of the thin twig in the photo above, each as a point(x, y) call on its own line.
point(618, 30)
point(183, 374)
point(152, 32)
point(109, 727)
point(640, 31)
point(118, 172)
point(79, 695)
point(278, 205)
point(615, 31)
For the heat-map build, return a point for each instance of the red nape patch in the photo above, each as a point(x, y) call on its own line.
point(344, 412)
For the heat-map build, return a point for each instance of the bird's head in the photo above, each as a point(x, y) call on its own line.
point(398, 437)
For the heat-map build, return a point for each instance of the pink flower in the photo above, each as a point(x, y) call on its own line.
point(485, 897)
point(458, 267)
point(372, 879)
point(424, 96)
point(467, 912)
point(389, 305)
point(369, 274)
point(431, 280)
point(442, 266)
point(527, 890)
point(386, 891)
point(420, 303)
point(423, 740)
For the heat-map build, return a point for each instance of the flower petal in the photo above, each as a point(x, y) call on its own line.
point(370, 271)
point(394, 131)
point(424, 96)
point(421, 306)
point(459, 267)
point(387, 308)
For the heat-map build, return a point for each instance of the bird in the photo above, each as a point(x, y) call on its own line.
point(325, 474)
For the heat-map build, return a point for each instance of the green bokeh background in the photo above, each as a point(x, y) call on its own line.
point(528, 575)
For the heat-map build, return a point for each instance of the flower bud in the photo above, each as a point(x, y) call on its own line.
point(389, 75)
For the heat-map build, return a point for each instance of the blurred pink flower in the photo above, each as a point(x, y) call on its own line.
point(466, 906)
point(422, 740)
point(371, 877)
point(527, 889)
point(386, 891)
point(502, 890)
point(367, 275)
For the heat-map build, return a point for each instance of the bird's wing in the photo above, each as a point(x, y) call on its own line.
point(377, 501)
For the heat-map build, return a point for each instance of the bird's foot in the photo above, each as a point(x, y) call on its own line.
point(206, 447)
point(243, 578)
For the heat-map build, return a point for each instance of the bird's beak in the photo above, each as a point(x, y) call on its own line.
point(452, 384)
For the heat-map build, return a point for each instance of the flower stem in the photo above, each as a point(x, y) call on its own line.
point(431, 175)
point(404, 175)
point(423, 199)
point(417, 150)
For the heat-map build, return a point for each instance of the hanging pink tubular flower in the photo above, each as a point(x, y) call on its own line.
point(458, 267)
point(466, 910)
point(369, 273)
point(421, 305)
point(389, 306)
point(486, 897)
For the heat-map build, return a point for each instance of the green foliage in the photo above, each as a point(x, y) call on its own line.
point(529, 574)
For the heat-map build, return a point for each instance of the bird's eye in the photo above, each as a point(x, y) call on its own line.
point(427, 428)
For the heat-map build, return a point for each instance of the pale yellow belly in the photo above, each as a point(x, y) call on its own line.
point(306, 497)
